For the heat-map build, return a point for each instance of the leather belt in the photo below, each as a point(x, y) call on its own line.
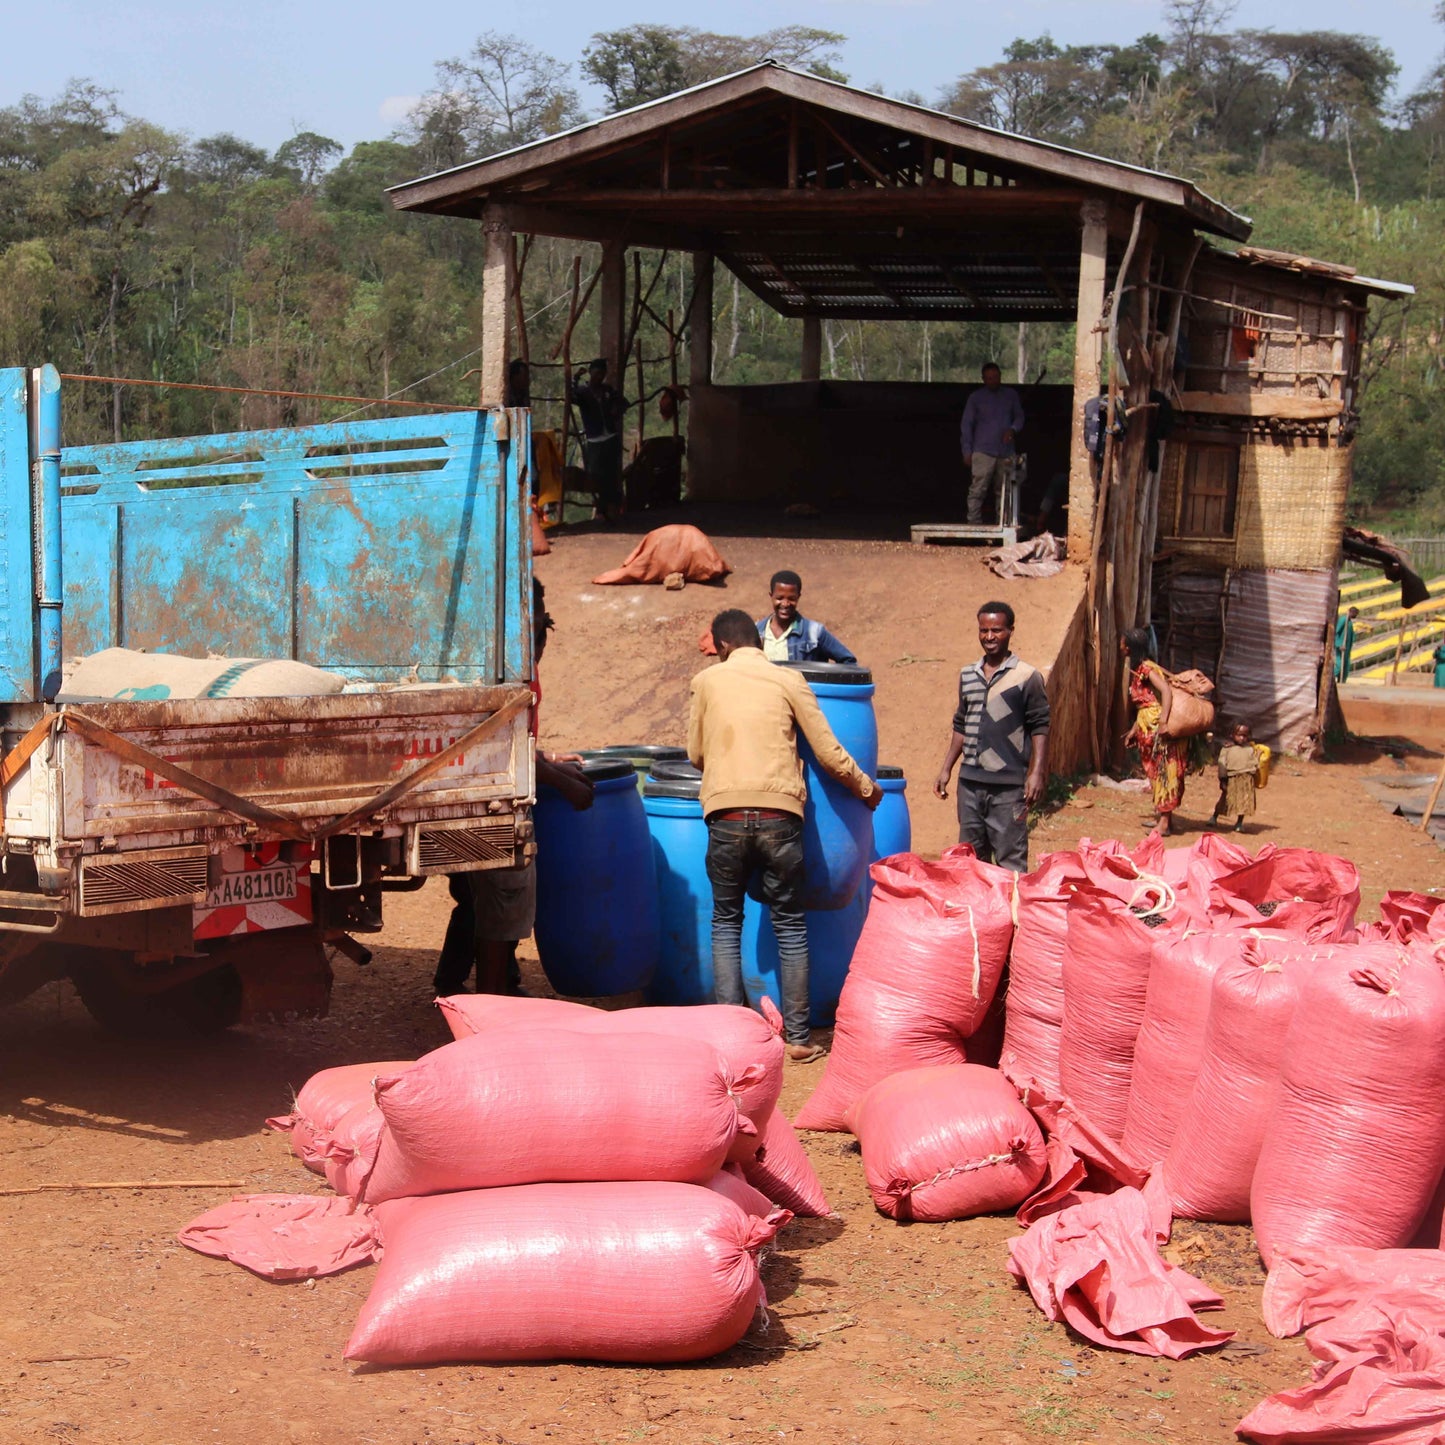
point(767, 813)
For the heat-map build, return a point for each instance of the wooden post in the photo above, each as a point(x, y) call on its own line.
point(641, 400)
point(614, 296)
point(565, 346)
point(1432, 800)
point(498, 272)
point(1089, 312)
point(699, 320)
point(812, 367)
point(519, 271)
point(672, 371)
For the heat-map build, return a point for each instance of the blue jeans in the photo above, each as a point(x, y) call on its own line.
point(737, 848)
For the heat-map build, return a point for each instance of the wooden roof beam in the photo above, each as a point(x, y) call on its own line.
point(877, 202)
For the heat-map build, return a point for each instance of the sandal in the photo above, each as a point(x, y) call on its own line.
point(806, 1053)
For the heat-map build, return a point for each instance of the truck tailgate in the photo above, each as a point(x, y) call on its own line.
point(311, 758)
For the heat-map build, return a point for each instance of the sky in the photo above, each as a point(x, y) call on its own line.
point(263, 70)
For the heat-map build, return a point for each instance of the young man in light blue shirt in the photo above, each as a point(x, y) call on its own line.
point(993, 416)
point(788, 636)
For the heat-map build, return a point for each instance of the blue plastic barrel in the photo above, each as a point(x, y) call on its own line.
point(643, 756)
point(892, 826)
point(832, 933)
point(598, 929)
point(837, 828)
point(679, 853)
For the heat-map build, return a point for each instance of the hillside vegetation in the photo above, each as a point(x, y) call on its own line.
point(129, 250)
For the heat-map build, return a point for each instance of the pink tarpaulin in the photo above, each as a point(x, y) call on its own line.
point(1097, 1268)
point(1379, 1377)
point(286, 1236)
point(1305, 1290)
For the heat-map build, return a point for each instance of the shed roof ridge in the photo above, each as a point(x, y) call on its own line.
point(776, 66)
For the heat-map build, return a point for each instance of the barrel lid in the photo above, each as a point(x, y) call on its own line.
point(672, 787)
point(887, 770)
point(653, 752)
point(602, 770)
point(845, 674)
point(675, 769)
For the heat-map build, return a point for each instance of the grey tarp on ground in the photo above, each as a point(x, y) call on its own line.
point(1274, 646)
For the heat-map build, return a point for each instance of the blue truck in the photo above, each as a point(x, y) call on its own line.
point(190, 862)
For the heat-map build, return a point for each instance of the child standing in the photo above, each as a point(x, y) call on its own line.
point(1238, 773)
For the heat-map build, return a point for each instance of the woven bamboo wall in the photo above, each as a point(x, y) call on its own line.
point(1290, 511)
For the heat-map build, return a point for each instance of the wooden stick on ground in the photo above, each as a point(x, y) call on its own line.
point(129, 1184)
point(1434, 798)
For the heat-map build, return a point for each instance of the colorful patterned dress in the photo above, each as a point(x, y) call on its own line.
point(1165, 760)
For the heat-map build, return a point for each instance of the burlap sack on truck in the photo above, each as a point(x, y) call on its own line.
point(124, 674)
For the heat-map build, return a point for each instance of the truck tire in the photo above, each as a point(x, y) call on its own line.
point(204, 1004)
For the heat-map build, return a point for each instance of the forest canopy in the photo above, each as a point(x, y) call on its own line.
point(129, 250)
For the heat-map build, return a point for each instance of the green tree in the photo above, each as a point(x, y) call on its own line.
point(637, 64)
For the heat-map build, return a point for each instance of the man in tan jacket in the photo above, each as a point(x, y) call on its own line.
point(743, 734)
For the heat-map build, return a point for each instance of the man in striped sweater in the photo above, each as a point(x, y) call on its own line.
point(1001, 732)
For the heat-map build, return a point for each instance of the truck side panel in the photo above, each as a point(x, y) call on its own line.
point(17, 558)
point(377, 549)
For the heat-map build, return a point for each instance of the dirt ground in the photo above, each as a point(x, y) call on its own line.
point(111, 1332)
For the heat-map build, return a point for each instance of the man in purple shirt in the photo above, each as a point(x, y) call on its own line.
point(993, 416)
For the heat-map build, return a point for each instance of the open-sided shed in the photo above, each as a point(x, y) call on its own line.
point(830, 202)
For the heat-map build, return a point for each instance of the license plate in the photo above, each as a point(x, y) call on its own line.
point(255, 885)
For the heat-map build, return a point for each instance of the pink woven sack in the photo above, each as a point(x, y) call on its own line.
point(947, 1142)
point(751, 1044)
point(1170, 1047)
point(1106, 978)
point(1033, 1031)
point(630, 1273)
point(730, 1183)
point(1356, 1143)
point(923, 975)
point(1311, 896)
point(323, 1099)
point(1209, 1166)
point(1034, 1020)
point(1411, 916)
point(782, 1170)
point(526, 1106)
